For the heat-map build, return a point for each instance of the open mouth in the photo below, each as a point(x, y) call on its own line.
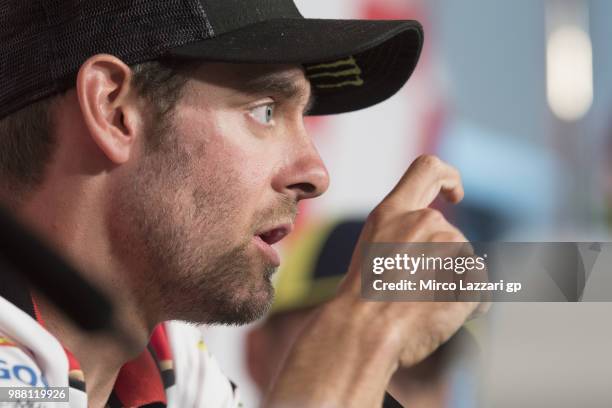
point(269, 237)
point(274, 235)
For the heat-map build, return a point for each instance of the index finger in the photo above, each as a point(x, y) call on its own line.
point(425, 179)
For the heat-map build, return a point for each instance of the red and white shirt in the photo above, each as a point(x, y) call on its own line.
point(176, 370)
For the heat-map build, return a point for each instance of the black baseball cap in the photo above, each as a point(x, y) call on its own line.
point(351, 64)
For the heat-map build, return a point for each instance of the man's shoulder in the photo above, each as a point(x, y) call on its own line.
point(29, 355)
point(17, 365)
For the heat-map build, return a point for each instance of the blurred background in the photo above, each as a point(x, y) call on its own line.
point(517, 94)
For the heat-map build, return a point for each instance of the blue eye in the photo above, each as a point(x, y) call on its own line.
point(263, 114)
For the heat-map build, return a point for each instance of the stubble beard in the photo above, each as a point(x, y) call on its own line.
point(183, 267)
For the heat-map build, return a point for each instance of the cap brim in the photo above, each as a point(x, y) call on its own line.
point(351, 64)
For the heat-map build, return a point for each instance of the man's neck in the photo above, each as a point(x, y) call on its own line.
point(76, 231)
point(100, 355)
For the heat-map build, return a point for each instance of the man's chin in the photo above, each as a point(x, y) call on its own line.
point(236, 289)
point(245, 310)
point(237, 305)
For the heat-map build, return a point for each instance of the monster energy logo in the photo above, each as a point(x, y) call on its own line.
point(337, 74)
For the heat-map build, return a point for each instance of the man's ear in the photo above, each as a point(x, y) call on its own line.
point(109, 108)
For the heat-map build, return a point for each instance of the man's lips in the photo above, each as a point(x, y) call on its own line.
point(268, 237)
point(275, 234)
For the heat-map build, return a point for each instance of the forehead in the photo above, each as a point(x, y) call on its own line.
point(289, 80)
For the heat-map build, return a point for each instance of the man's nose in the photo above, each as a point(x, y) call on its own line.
point(304, 176)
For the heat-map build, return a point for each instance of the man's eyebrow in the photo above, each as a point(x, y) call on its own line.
point(281, 85)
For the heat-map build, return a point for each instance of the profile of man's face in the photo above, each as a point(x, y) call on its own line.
point(193, 216)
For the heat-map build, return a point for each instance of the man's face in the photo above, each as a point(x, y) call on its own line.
point(197, 217)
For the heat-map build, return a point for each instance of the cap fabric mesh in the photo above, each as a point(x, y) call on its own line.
point(44, 42)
